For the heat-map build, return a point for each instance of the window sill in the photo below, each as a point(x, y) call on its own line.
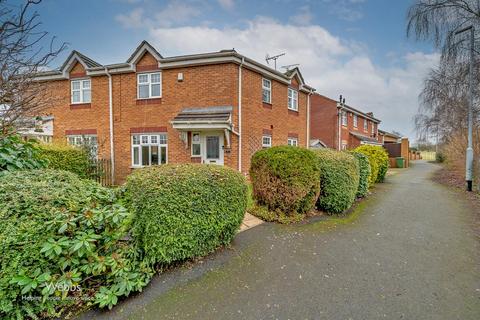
point(80, 106)
point(267, 105)
point(293, 112)
point(148, 101)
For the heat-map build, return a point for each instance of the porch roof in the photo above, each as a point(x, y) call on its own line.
point(219, 117)
point(365, 139)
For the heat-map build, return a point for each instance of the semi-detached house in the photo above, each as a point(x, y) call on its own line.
point(216, 108)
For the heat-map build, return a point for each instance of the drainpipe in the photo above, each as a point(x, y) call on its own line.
point(308, 117)
point(110, 114)
point(339, 145)
point(240, 115)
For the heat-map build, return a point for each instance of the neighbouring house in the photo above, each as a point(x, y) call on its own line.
point(340, 126)
point(388, 137)
point(39, 128)
point(217, 107)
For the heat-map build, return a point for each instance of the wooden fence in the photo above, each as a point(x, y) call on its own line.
point(101, 171)
point(428, 155)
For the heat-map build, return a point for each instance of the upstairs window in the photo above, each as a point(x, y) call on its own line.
point(344, 119)
point(292, 99)
point(292, 142)
point(266, 91)
point(81, 91)
point(149, 85)
point(365, 125)
point(355, 121)
point(266, 141)
point(149, 149)
point(373, 128)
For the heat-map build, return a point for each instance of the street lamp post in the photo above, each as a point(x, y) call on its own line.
point(469, 163)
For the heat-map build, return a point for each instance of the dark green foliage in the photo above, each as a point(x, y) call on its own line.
point(364, 171)
point(440, 157)
point(339, 180)
point(16, 154)
point(378, 158)
point(285, 179)
point(185, 211)
point(68, 158)
point(60, 236)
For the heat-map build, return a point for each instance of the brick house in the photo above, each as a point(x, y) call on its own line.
point(336, 125)
point(217, 107)
point(388, 137)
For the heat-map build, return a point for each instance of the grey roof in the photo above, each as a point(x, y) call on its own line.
point(389, 134)
point(144, 42)
point(205, 114)
point(317, 143)
point(364, 138)
point(90, 63)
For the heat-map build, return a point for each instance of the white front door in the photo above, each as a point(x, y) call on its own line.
point(212, 148)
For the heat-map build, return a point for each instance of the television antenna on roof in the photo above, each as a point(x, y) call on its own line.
point(274, 58)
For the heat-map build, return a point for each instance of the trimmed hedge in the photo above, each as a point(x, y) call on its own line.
point(60, 237)
point(184, 211)
point(378, 158)
point(285, 179)
point(68, 158)
point(338, 180)
point(364, 171)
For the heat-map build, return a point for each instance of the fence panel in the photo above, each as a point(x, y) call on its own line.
point(394, 149)
point(101, 171)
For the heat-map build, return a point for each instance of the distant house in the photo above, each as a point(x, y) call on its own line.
point(39, 128)
point(388, 137)
point(218, 108)
point(340, 126)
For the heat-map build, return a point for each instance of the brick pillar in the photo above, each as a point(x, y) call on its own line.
point(404, 151)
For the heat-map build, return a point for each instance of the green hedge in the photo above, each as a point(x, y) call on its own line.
point(378, 158)
point(68, 158)
point(285, 179)
point(338, 180)
point(185, 211)
point(60, 238)
point(17, 154)
point(364, 171)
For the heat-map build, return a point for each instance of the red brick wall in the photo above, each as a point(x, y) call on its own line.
point(323, 120)
point(203, 86)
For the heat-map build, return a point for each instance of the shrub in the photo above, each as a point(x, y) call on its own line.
point(60, 238)
point(364, 174)
point(16, 154)
point(68, 158)
point(439, 157)
point(378, 158)
point(285, 179)
point(339, 180)
point(185, 211)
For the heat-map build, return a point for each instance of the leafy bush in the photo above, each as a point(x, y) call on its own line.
point(378, 158)
point(60, 242)
point(339, 180)
point(364, 171)
point(16, 154)
point(285, 179)
point(184, 211)
point(439, 157)
point(68, 158)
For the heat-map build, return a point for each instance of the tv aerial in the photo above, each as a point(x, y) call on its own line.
point(274, 58)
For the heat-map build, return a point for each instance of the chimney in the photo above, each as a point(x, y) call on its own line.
point(370, 114)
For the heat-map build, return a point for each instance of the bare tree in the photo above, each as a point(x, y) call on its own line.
point(24, 51)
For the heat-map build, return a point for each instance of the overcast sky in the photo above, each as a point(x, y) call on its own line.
point(357, 48)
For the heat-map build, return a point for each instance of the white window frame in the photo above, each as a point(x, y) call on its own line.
point(267, 89)
point(81, 90)
point(292, 141)
point(199, 143)
point(266, 141)
point(150, 84)
point(355, 121)
point(344, 119)
point(344, 145)
point(148, 143)
point(292, 99)
point(365, 125)
point(373, 128)
point(79, 140)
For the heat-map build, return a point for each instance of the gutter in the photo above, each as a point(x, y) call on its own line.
point(110, 114)
point(240, 114)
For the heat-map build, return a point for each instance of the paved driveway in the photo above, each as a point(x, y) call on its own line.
point(410, 253)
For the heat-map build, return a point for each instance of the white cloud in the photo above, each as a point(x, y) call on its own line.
point(332, 65)
point(303, 17)
point(134, 19)
point(227, 4)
